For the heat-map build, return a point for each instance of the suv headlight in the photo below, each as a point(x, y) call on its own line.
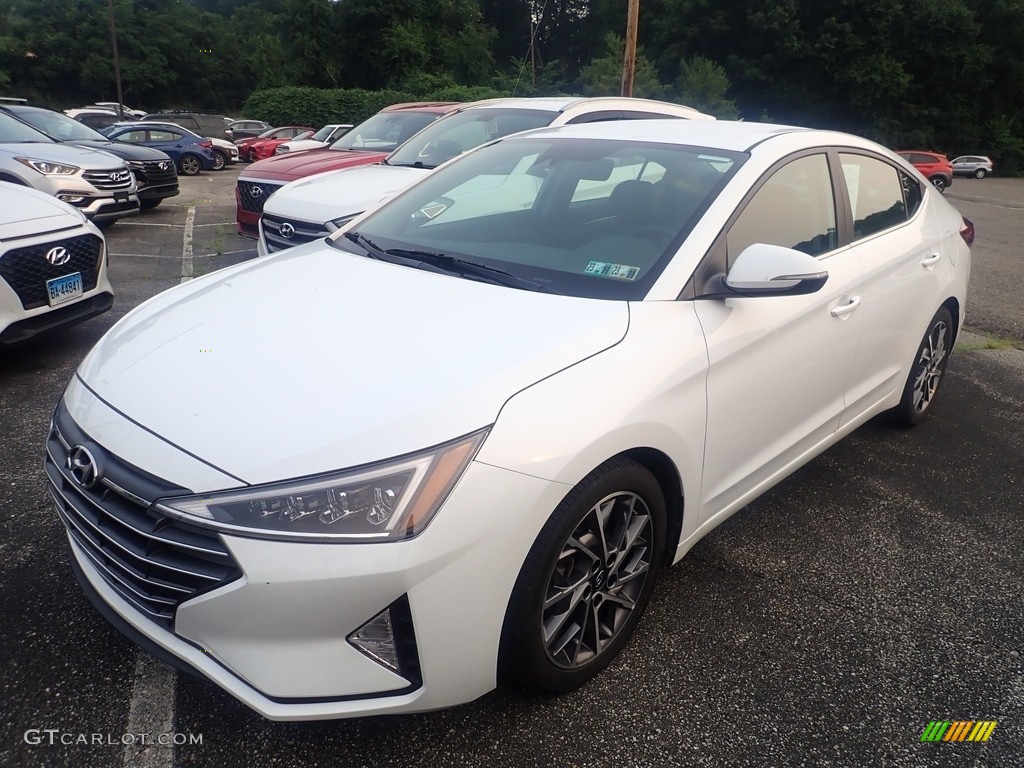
point(47, 168)
point(388, 501)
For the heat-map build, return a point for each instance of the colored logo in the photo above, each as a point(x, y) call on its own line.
point(958, 730)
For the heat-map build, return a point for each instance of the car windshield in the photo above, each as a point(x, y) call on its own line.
point(591, 218)
point(385, 131)
point(455, 134)
point(322, 135)
point(59, 126)
point(15, 131)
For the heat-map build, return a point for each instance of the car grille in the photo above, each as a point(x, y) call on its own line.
point(26, 269)
point(114, 179)
point(302, 232)
point(253, 200)
point(152, 561)
point(154, 174)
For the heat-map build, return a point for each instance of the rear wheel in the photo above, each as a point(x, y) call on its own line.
point(189, 165)
point(927, 370)
point(586, 581)
point(981, 173)
point(939, 183)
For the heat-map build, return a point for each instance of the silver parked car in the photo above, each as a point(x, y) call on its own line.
point(977, 166)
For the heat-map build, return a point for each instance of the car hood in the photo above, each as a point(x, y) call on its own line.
point(83, 157)
point(125, 151)
point(290, 167)
point(314, 359)
point(27, 212)
point(332, 195)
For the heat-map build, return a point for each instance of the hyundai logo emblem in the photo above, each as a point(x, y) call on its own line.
point(256, 191)
point(58, 256)
point(83, 466)
point(164, 165)
point(286, 231)
point(120, 176)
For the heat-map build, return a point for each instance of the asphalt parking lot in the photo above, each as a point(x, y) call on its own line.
point(876, 590)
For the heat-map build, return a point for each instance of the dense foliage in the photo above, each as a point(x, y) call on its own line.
point(931, 74)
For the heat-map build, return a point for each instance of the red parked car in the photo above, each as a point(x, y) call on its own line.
point(935, 167)
point(264, 148)
point(285, 132)
point(369, 142)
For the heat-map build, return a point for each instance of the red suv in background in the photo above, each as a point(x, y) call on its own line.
point(935, 167)
point(369, 142)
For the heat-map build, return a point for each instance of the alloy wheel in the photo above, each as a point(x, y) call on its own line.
point(597, 580)
point(189, 165)
point(930, 366)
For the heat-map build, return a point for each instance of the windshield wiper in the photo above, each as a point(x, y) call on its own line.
point(373, 251)
point(458, 266)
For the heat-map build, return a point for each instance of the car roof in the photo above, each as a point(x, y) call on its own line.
point(588, 104)
point(729, 135)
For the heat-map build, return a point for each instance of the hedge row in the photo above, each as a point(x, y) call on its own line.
point(300, 105)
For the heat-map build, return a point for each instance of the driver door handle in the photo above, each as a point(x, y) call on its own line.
point(844, 309)
point(931, 260)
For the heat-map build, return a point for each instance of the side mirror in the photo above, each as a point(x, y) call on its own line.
point(771, 270)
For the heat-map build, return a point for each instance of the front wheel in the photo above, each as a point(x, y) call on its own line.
point(586, 581)
point(189, 165)
point(927, 370)
point(219, 160)
point(939, 183)
point(981, 173)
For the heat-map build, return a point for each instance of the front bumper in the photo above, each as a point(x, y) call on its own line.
point(276, 638)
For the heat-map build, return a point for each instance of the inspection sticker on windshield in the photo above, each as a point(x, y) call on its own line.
point(618, 271)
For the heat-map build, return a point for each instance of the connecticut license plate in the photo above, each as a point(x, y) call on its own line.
point(62, 289)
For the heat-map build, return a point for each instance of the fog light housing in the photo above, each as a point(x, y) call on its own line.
point(73, 199)
point(389, 640)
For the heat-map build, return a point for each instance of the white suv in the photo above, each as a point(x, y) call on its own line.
point(314, 207)
point(98, 184)
point(53, 265)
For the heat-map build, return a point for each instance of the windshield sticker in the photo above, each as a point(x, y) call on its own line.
point(617, 271)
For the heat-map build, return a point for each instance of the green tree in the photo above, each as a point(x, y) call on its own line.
point(603, 76)
point(703, 85)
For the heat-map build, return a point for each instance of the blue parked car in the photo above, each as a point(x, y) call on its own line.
point(191, 154)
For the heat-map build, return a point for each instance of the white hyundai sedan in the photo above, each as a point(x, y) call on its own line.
point(457, 442)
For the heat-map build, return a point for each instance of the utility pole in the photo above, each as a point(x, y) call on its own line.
point(629, 64)
point(117, 60)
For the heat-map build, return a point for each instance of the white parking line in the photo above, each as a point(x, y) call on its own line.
point(186, 247)
point(151, 714)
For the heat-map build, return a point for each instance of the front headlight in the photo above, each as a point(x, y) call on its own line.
point(47, 168)
point(136, 165)
point(389, 501)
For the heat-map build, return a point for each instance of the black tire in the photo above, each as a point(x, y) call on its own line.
point(148, 205)
point(220, 160)
point(550, 649)
point(939, 183)
point(926, 371)
point(981, 173)
point(190, 165)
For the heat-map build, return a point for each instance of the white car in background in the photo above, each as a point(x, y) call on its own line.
point(322, 138)
point(53, 265)
point(314, 207)
point(475, 425)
